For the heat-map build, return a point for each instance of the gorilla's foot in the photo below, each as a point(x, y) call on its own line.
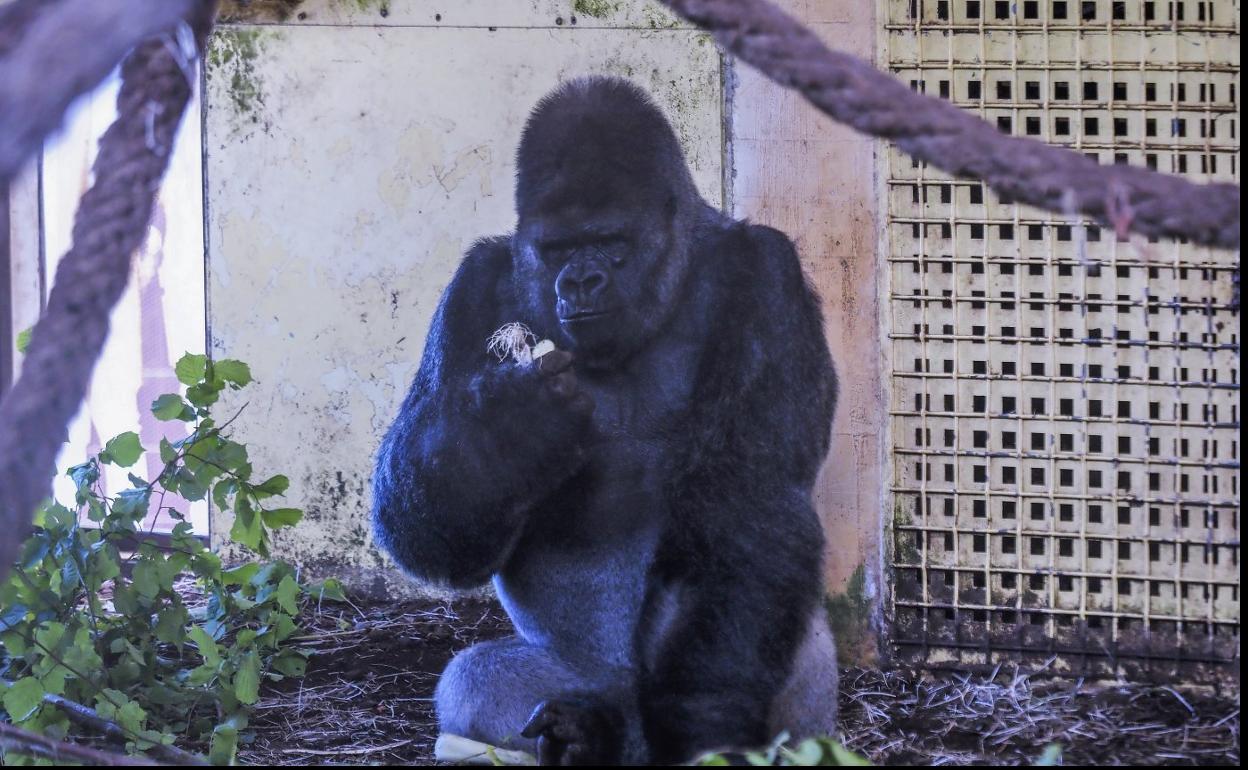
point(575, 731)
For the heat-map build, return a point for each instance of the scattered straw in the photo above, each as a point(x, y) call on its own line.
point(898, 717)
point(367, 699)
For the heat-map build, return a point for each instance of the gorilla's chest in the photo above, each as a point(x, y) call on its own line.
point(578, 579)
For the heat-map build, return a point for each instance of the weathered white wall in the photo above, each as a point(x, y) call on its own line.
point(352, 157)
point(350, 160)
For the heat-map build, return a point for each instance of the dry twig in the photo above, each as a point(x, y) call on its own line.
point(19, 741)
point(87, 717)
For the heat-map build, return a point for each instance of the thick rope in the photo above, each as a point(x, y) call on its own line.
point(110, 225)
point(935, 131)
point(53, 50)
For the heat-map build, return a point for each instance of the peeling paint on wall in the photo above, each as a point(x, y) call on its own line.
point(598, 9)
point(850, 616)
point(531, 14)
point(256, 10)
point(232, 55)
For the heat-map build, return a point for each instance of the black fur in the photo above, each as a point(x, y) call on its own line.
point(644, 504)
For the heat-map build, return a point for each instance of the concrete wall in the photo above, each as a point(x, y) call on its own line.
point(817, 181)
point(351, 159)
point(352, 155)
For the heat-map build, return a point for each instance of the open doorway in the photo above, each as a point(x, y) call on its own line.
point(158, 319)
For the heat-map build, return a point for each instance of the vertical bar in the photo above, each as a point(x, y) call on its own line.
point(6, 295)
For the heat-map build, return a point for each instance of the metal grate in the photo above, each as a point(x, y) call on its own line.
point(1065, 408)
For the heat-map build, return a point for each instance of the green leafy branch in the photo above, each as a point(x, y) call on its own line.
point(96, 634)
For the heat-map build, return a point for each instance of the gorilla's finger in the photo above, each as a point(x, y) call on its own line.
point(554, 362)
point(549, 751)
point(539, 721)
point(563, 385)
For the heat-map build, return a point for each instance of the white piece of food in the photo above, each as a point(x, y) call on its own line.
point(515, 341)
point(458, 750)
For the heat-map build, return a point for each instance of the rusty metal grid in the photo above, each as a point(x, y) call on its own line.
point(1065, 404)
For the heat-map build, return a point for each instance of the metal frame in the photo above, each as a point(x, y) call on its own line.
point(1065, 408)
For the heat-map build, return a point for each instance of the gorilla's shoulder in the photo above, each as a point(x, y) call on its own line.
point(480, 274)
point(486, 260)
point(470, 303)
point(773, 249)
point(765, 257)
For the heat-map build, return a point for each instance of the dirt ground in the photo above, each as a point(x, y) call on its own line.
point(367, 700)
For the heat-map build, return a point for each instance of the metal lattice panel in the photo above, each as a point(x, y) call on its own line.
point(1065, 409)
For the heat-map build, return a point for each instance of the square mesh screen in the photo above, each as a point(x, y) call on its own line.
point(1065, 404)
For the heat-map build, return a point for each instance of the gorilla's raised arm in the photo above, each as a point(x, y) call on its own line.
point(462, 464)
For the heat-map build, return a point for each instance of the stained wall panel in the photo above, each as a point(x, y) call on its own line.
point(348, 170)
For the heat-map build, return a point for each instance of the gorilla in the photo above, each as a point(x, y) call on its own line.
point(641, 496)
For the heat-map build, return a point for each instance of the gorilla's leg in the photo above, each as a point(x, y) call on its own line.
point(806, 707)
point(489, 691)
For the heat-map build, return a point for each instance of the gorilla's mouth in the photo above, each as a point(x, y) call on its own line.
point(585, 316)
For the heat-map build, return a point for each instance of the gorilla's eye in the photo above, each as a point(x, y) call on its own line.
point(616, 249)
point(556, 254)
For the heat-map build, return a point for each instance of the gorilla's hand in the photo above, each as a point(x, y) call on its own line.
point(575, 731)
point(555, 371)
point(511, 391)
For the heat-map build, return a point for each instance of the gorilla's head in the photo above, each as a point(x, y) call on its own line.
point(605, 208)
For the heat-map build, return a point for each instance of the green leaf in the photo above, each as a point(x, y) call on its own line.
point(171, 624)
point(171, 407)
point(146, 579)
point(124, 450)
point(240, 575)
point(234, 372)
point(34, 551)
point(288, 595)
point(23, 340)
point(12, 615)
point(248, 529)
point(71, 576)
point(844, 757)
point(84, 475)
point(277, 485)
point(290, 663)
point(203, 394)
point(247, 679)
point(281, 517)
point(190, 368)
point(23, 699)
point(102, 565)
point(208, 648)
point(189, 485)
point(329, 589)
point(221, 492)
point(132, 502)
point(224, 745)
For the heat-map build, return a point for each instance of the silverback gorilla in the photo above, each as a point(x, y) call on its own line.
point(641, 497)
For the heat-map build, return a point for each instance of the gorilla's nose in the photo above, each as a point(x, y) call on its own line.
point(581, 285)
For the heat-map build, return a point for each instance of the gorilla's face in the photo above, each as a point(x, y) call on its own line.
point(602, 278)
point(606, 208)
